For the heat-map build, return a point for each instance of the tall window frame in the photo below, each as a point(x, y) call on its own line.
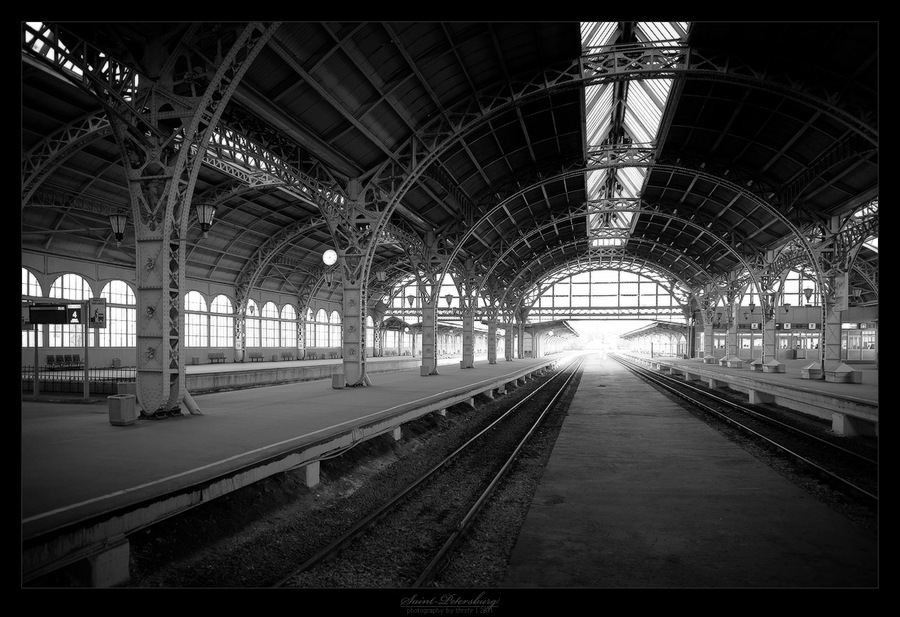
point(31, 287)
point(288, 326)
point(252, 325)
point(269, 325)
point(321, 328)
point(196, 320)
point(334, 329)
point(221, 322)
point(72, 288)
point(121, 315)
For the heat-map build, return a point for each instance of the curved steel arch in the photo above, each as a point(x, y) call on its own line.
point(53, 150)
point(613, 158)
point(513, 288)
point(629, 266)
point(583, 211)
point(655, 61)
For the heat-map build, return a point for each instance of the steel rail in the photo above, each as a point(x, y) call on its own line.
point(347, 538)
point(442, 555)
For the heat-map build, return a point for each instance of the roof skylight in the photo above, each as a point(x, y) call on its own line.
point(642, 101)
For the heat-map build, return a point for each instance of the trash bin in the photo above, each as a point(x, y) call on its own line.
point(337, 379)
point(121, 409)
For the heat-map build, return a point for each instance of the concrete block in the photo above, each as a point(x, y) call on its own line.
point(756, 397)
point(110, 567)
point(121, 409)
point(811, 371)
point(311, 474)
point(773, 366)
point(843, 374)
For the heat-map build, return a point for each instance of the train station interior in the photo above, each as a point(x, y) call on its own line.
point(217, 205)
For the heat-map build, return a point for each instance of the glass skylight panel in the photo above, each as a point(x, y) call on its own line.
point(647, 110)
point(662, 30)
point(595, 180)
point(632, 179)
point(598, 106)
point(596, 34)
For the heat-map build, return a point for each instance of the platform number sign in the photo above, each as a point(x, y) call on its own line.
point(97, 312)
point(74, 314)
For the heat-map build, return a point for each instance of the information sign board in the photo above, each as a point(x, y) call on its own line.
point(56, 314)
point(97, 312)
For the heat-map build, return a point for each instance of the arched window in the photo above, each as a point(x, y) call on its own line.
point(252, 324)
point(288, 326)
point(607, 289)
point(221, 322)
point(30, 287)
point(196, 320)
point(121, 316)
point(310, 329)
point(321, 328)
point(69, 287)
point(335, 330)
point(269, 325)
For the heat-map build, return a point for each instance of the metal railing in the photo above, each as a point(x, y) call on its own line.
point(53, 380)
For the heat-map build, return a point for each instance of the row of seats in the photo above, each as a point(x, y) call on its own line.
point(64, 361)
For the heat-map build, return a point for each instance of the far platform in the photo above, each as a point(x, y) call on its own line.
point(851, 407)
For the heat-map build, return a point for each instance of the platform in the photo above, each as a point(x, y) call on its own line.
point(639, 494)
point(87, 483)
point(852, 408)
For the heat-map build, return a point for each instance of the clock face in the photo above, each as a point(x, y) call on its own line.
point(329, 257)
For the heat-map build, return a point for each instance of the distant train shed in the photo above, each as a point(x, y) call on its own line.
point(660, 338)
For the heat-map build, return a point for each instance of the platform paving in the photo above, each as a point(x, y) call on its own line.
point(640, 494)
point(76, 464)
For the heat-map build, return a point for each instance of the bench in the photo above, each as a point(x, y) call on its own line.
point(287, 356)
point(216, 356)
point(256, 356)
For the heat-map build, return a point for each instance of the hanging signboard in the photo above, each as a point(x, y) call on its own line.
point(56, 314)
point(97, 312)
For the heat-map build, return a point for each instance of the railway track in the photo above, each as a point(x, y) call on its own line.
point(847, 466)
point(409, 539)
